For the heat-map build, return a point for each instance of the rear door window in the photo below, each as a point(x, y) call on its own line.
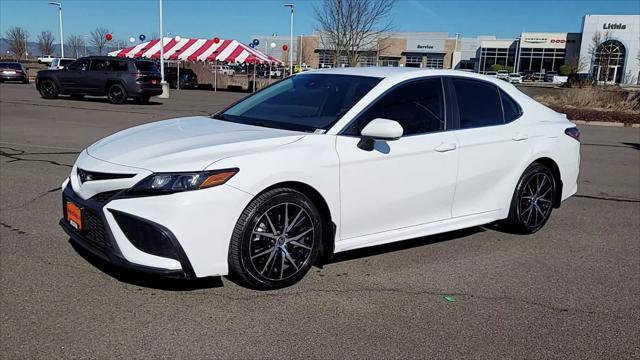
point(99, 65)
point(117, 65)
point(478, 103)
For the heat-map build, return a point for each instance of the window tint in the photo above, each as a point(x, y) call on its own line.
point(418, 106)
point(81, 64)
point(99, 65)
point(478, 103)
point(511, 109)
point(146, 66)
point(114, 65)
point(10, 65)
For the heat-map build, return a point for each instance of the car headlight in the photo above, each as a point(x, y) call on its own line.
point(167, 183)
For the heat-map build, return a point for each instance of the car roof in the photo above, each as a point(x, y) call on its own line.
point(396, 72)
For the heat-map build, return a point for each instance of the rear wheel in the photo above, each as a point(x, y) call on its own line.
point(117, 94)
point(48, 89)
point(276, 240)
point(533, 199)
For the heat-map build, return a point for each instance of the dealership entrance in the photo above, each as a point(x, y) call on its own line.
point(609, 62)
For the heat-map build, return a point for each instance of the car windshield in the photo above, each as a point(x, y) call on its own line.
point(10, 65)
point(147, 66)
point(306, 102)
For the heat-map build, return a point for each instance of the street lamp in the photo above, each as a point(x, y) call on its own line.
point(59, 5)
point(291, 5)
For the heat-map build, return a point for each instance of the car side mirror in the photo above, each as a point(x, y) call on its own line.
point(379, 129)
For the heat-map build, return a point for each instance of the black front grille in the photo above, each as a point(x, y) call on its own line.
point(94, 229)
point(104, 197)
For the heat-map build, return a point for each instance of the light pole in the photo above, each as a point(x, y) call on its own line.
point(59, 5)
point(291, 5)
point(165, 86)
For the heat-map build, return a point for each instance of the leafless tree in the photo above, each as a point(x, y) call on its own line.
point(98, 38)
point(75, 44)
point(350, 27)
point(17, 38)
point(45, 42)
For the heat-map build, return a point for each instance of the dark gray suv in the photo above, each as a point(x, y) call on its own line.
point(116, 78)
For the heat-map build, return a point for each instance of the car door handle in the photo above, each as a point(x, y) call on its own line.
point(444, 147)
point(520, 137)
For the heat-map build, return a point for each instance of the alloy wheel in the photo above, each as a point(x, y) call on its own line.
point(282, 241)
point(48, 89)
point(536, 200)
point(116, 94)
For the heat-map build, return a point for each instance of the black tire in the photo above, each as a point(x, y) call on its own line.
point(77, 96)
point(116, 94)
point(48, 89)
point(278, 258)
point(144, 99)
point(533, 200)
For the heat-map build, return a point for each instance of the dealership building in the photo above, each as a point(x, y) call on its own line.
point(607, 48)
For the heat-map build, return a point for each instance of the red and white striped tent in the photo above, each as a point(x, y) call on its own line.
point(230, 51)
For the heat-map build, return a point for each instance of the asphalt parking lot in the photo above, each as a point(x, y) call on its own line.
point(571, 290)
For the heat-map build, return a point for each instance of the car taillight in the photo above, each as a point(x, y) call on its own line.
point(573, 132)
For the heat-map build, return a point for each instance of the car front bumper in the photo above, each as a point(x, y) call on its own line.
point(16, 77)
point(195, 226)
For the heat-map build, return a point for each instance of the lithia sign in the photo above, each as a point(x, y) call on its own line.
point(611, 26)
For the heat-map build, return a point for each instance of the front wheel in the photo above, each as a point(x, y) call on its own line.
point(117, 94)
point(276, 240)
point(533, 200)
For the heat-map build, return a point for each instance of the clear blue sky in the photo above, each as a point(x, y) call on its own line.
point(240, 19)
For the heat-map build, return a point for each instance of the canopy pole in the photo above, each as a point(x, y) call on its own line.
point(215, 76)
point(254, 76)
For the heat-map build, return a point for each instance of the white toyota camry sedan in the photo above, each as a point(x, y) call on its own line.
point(319, 163)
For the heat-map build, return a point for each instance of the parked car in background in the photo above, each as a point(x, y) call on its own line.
point(45, 59)
point(188, 78)
point(491, 73)
point(116, 78)
point(515, 78)
point(60, 63)
point(13, 71)
point(548, 76)
point(319, 163)
point(527, 75)
point(225, 70)
point(503, 75)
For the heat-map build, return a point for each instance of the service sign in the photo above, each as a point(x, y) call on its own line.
point(425, 45)
point(548, 40)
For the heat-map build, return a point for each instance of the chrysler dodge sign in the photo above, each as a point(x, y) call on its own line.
point(549, 40)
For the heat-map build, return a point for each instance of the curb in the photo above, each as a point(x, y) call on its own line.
point(606, 124)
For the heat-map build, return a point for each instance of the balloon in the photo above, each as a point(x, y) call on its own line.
point(142, 37)
point(256, 42)
point(177, 38)
point(273, 45)
point(108, 37)
point(132, 40)
point(251, 45)
point(216, 40)
point(285, 47)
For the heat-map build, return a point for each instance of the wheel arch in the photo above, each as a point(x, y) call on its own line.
point(112, 82)
point(329, 230)
point(555, 170)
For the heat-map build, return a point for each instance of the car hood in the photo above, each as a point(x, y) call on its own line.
point(186, 144)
